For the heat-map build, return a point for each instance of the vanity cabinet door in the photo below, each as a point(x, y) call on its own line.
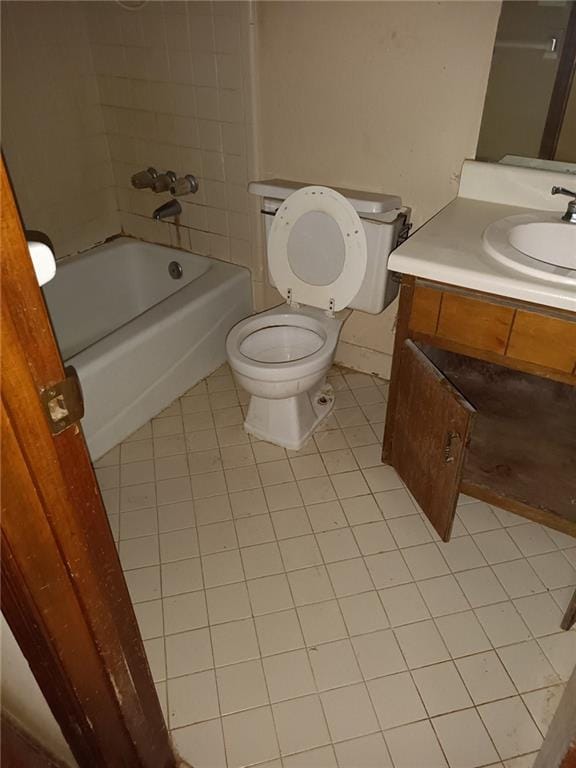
point(431, 425)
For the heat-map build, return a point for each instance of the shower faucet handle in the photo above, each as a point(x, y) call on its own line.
point(185, 185)
point(145, 179)
point(164, 181)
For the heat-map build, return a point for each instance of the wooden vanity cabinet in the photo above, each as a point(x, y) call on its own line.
point(483, 402)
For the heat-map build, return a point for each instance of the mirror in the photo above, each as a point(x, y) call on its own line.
point(530, 106)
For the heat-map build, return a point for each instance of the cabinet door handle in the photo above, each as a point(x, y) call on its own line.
point(451, 438)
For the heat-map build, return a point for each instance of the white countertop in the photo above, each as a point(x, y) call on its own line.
point(449, 249)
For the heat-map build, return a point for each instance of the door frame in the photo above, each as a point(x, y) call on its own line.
point(63, 591)
point(565, 74)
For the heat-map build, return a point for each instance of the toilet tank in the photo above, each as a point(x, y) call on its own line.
point(385, 222)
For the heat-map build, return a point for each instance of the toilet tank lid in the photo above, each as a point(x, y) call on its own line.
point(363, 202)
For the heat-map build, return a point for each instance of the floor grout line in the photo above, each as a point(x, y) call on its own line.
point(230, 475)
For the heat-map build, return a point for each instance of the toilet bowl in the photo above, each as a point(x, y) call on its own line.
point(318, 259)
point(281, 358)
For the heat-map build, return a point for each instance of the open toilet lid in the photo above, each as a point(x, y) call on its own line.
point(329, 273)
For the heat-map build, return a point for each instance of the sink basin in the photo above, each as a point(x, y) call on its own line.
point(542, 245)
point(551, 242)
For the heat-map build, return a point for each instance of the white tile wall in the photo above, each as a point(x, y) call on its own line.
point(176, 93)
point(53, 133)
point(96, 91)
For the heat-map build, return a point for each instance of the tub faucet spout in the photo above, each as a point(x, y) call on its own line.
point(171, 208)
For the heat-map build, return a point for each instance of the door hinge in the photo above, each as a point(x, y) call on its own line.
point(451, 444)
point(63, 402)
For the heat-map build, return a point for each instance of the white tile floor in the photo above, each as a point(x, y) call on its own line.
point(299, 611)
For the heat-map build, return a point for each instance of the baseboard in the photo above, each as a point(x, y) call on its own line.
point(363, 359)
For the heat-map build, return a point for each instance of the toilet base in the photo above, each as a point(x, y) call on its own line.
point(291, 421)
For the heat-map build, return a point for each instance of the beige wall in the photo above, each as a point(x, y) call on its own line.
point(52, 131)
point(380, 96)
point(24, 700)
point(174, 81)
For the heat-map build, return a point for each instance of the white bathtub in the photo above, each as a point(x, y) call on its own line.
point(137, 337)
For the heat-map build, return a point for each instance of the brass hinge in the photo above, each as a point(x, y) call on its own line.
point(451, 445)
point(63, 402)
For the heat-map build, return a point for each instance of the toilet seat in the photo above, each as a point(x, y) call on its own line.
point(338, 293)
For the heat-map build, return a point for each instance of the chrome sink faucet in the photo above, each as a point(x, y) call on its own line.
point(570, 215)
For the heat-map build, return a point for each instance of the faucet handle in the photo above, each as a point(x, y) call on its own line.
point(562, 191)
point(570, 215)
point(164, 181)
point(144, 179)
point(186, 185)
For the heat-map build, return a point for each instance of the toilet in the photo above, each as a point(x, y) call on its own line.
point(327, 254)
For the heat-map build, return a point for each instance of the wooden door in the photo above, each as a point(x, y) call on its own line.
point(63, 591)
point(430, 428)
